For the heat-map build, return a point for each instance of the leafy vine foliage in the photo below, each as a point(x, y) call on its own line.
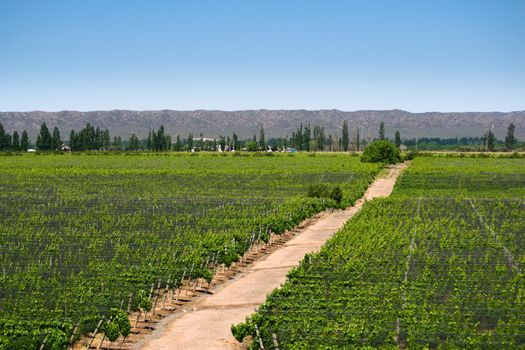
point(79, 234)
point(438, 265)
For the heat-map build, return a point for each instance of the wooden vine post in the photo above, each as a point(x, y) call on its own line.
point(275, 342)
point(104, 335)
point(95, 332)
point(128, 310)
point(45, 341)
point(72, 338)
point(261, 345)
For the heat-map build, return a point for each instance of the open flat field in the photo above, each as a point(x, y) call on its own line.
point(438, 265)
point(79, 234)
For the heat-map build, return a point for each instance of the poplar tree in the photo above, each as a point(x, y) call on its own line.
point(73, 141)
point(106, 140)
point(319, 137)
point(190, 141)
point(5, 139)
point(16, 141)
point(357, 140)
point(235, 142)
point(24, 141)
point(345, 137)
point(490, 141)
point(149, 141)
point(262, 142)
point(43, 139)
point(398, 139)
point(178, 144)
point(307, 134)
point(509, 139)
point(298, 138)
point(55, 139)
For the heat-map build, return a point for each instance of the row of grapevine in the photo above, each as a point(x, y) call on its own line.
point(438, 265)
point(83, 235)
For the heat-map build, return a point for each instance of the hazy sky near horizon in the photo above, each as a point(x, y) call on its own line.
point(431, 55)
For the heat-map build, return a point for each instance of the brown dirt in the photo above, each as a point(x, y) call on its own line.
point(204, 322)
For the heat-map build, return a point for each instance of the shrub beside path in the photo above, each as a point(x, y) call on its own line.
point(205, 324)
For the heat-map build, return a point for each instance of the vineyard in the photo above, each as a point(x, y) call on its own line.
point(438, 265)
point(84, 237)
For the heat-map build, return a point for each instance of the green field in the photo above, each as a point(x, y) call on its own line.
point(438, 265)
point(80, 233)
point(469, 177)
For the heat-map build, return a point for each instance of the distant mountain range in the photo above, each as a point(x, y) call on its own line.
point(212, 123)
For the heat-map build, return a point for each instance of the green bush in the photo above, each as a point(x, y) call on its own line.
point(21, 342)
point(242, 330)
point(411, 155)
point(111, 331)
point(325, 191)
point(251, 146)
point(336, 194)
point(121, 320)
point(318, 191)
point(381, 152)
point(144, 301)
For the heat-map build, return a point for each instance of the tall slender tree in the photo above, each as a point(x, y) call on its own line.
point(235, 142)
point(262, 141)
point(5, 139)
point(382, 131)
point(161, 142)
point(73, 141)
point(97, 144)
point(398, 139)
point(319, 138)
point(149, 141)
point(307, 135)
point(509, 139)
point(55, 139)
point(189, 141)
point(106, 140)
point(24, 141)
point(178, 144)
point(490, 141)
point(345, 136)
point(16, 141)
point(43, 140)
point(357, 140)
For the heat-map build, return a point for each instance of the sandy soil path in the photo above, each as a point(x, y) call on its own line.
point(206, 323)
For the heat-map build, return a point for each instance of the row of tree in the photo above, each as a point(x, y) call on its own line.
point(489, 140)
point(304, 138)
point(15, 142)
point(45, 141)
point(90, 138)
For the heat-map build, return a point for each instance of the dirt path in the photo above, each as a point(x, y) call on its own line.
point(206, 323)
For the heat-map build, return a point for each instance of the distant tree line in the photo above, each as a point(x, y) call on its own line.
point(486, 142)
point(305, 138)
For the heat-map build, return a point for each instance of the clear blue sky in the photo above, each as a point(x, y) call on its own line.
point(421, 55)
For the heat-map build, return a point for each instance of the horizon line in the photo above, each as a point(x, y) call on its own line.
point(256, 109)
